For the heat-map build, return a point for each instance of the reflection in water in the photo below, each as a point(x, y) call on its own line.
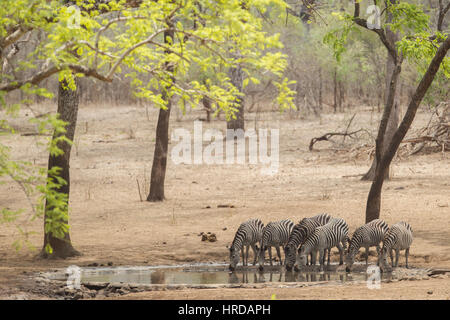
point(216, 276)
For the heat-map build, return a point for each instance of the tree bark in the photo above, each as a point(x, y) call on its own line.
point(374, 198)
point(335, 90)
point(390, 103)
point(237, 78)
point(68, 110)
point(158, 174)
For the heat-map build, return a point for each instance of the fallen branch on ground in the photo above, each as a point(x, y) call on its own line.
point(327, 136)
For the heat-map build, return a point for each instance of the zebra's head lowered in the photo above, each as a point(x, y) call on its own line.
point(290, 252)
point(383, 260)
point(296, 238)
point(351, 254)
point(302, 256)
point(234, 257)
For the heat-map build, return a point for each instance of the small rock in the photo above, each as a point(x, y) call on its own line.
point(164, 242)
point(224, 228)
point(208, 207)
point(212, 238)
point(204, 237)
point(110, 263)
point(430, 292)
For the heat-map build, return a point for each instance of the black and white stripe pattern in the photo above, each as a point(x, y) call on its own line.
point(248, 235)
point(299, 234)
point(399, 237)
point(275, 234)
point(333, 234)
point(369, 235)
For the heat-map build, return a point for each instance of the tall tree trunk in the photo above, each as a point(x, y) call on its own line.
point(158, 174)
point(237, 78)
point(335, 90)
point(68, 110)
point(207, 105)
point(320, 91)
point(374, 198)
point(390, 103)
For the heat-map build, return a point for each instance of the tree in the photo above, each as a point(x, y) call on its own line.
point(57, 238)
point(158, 174)
point(392, 74)
point(417, 44)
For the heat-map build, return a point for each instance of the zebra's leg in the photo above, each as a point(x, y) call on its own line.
point(313, 257)
point(270, 255)
point(367, 256)
point(243, 256)
point(321, 259)
point(406, 256)
point(247, 249)
point(378, 254)
point(397, 254)
point(392, 257)
point(326, 253)
point(341, 254)
point(279, 254)
point(255, 253)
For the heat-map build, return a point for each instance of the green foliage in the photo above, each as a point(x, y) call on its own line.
point(209, 38)
point(418, 42)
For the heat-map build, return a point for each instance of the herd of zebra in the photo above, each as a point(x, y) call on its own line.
point(320, 234)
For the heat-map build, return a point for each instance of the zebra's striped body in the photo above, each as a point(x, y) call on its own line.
point(248, 235)
point(275, 234)
point(300, 233)
point(333, 234)
point(369, 235)
point(399, 237)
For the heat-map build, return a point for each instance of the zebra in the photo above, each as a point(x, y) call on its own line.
point(399, 237)
point(299, 234)
point(333, 234)
point(368, 235)
point(248, 234)
point(275, 234)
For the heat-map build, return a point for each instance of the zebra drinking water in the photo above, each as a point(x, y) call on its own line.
point(299, 234)
point(369, 235)
point(248, 235)
point(275, 234)
point(333, 234)
point(399, 237)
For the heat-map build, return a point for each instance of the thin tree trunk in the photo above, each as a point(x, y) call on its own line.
point(158, 174)
point(374, 198)
point(207, 105)
point(391, 104)
point(237, 77)
point(68, 110)
point(335, 90)
point(320, 91)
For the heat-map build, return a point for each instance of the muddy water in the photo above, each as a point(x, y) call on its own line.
point(214, 274)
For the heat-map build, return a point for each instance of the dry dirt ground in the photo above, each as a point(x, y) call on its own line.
point(114, 149)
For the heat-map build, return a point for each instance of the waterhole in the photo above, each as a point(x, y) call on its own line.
point(214, 274)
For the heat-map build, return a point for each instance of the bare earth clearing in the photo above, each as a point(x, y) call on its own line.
point(114, 147)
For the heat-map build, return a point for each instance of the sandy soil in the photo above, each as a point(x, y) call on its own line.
point(114, 148)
